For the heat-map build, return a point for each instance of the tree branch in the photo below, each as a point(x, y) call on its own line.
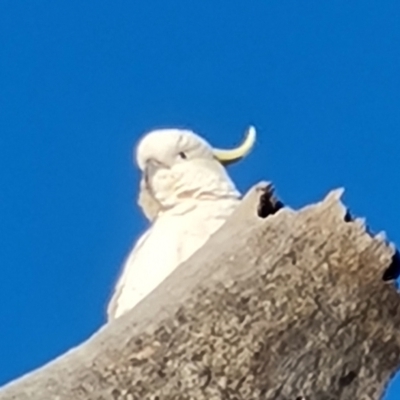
point(292, 306)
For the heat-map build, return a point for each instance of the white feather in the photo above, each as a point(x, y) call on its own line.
point(188, 199)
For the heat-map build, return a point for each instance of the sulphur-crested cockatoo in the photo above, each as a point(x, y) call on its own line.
point(186, 194)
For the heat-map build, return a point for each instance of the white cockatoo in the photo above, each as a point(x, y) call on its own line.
point(186, 194)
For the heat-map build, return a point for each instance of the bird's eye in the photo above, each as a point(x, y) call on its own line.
point(182, 155)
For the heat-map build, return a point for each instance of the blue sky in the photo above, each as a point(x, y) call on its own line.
point(81, 81)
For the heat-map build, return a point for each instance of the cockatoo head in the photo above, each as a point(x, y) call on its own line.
point(178, 166)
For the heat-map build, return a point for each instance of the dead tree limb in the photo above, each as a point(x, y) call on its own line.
point(292, 306)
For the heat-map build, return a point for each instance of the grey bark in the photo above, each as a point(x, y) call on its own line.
point(298, 305)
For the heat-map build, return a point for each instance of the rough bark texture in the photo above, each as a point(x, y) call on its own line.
point(292, 306)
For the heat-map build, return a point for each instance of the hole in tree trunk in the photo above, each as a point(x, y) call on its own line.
point(268, 204)
point(347, 379)
point(393, 271)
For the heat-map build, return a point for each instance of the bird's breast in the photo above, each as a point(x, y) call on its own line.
point(174, 236)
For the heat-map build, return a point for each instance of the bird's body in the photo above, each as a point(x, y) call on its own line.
point(188, 196)
point(162, 248)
